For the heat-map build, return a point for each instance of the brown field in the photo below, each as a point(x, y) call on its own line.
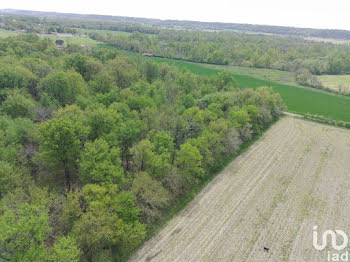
point(296, 176)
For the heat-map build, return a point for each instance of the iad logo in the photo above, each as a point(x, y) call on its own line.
point(334, 236)
point(333, 239)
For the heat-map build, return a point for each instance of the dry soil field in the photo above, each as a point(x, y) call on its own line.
point(296, 176)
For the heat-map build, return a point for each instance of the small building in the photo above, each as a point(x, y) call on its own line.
point(64, 35)
point(148, 54)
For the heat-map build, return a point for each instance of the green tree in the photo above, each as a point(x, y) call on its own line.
point(84, 65)
point(111, 219)
point(15, 77)
point(11, 177)
point(124, 71)
point(18, 105)
point(152, 71)
point(63, 86)
point(189, 161)
point(152, 197)
point(102, 121)
point(61, 143)
point(24, 230)
point(102, 82)
point(65, 249)
point(142, 155)
point(100, 163)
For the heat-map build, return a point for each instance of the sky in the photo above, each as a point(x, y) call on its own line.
point(299, 13)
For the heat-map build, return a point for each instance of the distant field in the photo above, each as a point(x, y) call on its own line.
point(294, 177)
point(74, 40)
point(261, 73)
point(103, 32)
point(7, 33)
point(340, 83)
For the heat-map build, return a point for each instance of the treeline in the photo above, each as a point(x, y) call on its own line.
point(238, 49)
point(223, 48)
point(96, 146)
point(195, 25)
point(43, 25)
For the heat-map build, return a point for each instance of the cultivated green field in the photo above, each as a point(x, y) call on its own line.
point(340, 83)
point(273, 75)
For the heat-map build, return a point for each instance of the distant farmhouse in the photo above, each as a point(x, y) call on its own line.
point(149, 54)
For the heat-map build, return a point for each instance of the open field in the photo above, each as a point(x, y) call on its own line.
point(103, 32)
point(273, 75)
point(296, 176)
point(340, 83)
point(74, 40)
point(7, 33)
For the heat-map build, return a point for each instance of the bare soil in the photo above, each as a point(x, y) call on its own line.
point(296, 176)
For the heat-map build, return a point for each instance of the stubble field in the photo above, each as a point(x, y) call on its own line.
point(296, 176)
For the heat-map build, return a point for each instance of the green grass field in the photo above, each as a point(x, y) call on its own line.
point(103, 32)
point(273, 75)
point(340, 83)
point(74, 40)
point(7, 33)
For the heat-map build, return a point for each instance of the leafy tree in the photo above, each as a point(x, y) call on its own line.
point(61, 143)
point(189, 161)
point(65, 249)
point(239, 118)
point(142, 155)
point(64, 87)
point(103, 83)
point(18, 105)
point(24, 230)
point(84, 65)
point(15, 134)
point(152, 71)
point(102, 121)
point(127, 135)
point(110, 220)
point(124, 72)
point(163, 143)
point(152, 197)
point(70, 211)
point(11, 177)
point(100, 163)
point(225, 81)
point(15, 77)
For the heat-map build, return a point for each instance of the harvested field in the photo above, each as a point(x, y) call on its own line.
point(296, 176)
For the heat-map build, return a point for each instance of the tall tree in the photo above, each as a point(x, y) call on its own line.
point(61, 143)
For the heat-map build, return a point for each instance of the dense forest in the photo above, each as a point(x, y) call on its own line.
point(96, 146)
